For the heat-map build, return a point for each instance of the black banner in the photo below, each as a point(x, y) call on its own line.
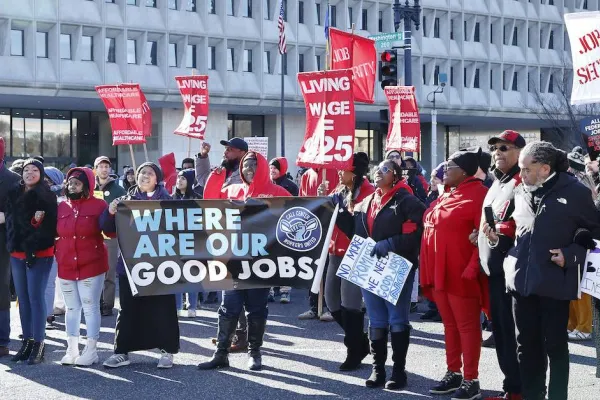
point(205, 245)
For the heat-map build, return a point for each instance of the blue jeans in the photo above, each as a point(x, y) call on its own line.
point(84, 294)
point(192, 299)
point(4, 327)
point(383, 314)
point(30, 284)
point(255, 301)
point(50, 288)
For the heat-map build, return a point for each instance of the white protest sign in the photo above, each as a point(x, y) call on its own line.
point(384, 277)
point(584, 36)
point(590, 283)
point(259, 145)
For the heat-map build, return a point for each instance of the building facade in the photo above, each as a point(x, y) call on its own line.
point(53, 53)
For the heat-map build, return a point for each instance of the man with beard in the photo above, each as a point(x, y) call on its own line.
point(108, 189)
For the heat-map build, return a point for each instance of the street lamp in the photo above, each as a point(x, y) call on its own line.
point(438, 90)
point(407, 13)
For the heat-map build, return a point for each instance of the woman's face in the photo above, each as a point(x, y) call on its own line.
point(384, 174)
point(346, 178)
point(453, 174)
point(181, 183)
point(74, 185)
point(147, 180)
point(131, 178)
point(31, 175)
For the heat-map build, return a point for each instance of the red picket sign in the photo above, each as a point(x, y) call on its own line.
point(329, 136)
point(404, 132)
point(124, 106)
point(146, 115)
point(359, 54)
point(194, 92)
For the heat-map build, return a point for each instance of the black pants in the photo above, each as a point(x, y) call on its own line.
point(542, 335)
point(504, 333)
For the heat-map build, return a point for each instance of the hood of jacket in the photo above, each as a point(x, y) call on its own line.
point(283, 164)
point(89, 174)
point(261, 180)
point(190, 177)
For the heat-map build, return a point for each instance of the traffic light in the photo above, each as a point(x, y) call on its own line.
point(389, 68)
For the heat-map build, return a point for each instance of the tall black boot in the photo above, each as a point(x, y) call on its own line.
point(256, 332)
point(400, 342)
point(354, 339)
point(37, 353)
point(225, 331)
point(24, 351)
point(379, 339)
point(338, 317)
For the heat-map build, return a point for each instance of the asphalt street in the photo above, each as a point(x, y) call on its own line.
point(301, 360)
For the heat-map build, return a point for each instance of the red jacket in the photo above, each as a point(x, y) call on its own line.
point(310, 181)
point(446, 251)
point(80, 251)
point(339, 241)
point(261, 185)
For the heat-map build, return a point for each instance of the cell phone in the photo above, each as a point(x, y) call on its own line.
point(489, 217)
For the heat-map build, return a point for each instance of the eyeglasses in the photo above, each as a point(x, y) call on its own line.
point(503, 148)
point(384, 169)
point(449, 167)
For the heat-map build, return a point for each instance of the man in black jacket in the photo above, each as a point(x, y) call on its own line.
point(278, 170)
point(8, 180)
point(554, 215)
point(494, 244)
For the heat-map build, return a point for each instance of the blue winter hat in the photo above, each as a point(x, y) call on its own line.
point(55, 175)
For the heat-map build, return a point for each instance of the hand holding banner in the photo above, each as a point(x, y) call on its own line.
point(194, 92)
point(404, 129)
point(330, 119)
point(584, 36)
point(124, 106)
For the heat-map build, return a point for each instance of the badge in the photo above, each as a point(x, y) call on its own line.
point(107, 193)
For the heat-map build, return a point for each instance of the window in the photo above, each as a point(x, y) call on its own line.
point(491, 33)
point(17, 46)
point(300, 12)
point(26, 132)
point(436, 28)
point(476, 80)
point(380, 27)
point(172, 4)
point(333, 16)
point(550, 2)
point(151, 3)
point(109, 44)
point(87, 48)
point(350, 17)
point(300, 62)
point(504, 39)
point(318, 62)
point(491, 79)
point(529, 81)
point(267, 62)
point(172, 54)
point(365, 20)
point(65, 46)
point(551, 84)
point(451, 76)
point(424, 73)
point(211, 57)
point(551, 41)
point(515, 82)
point(464, 77)
point(283, 64)
point(247, 60)
point(476, 33)
point(41, 39)
point(266, 9)
point(212, 7)
point(515, 41)
point(132, 2)
point(57, 134)
point(191, 5)
point(190, 61)
point(247, 8)
point(451, 29)
point(245, 125)
point(151, 53)
point(318, 13)
point(109, 1)
point(229, 7)
point(465, 38)
point(436, 75)
point(585, 5)
point(131, 51)
point(230, 58)
point(504, 83)
point(529, 37)
point(424, 26)
point(284, 2)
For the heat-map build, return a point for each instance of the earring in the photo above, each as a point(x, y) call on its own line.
point(464, 174)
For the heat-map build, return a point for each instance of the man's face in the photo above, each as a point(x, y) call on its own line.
point(249, 168)
point(103, 170)
point(506, 155)
point(274, 172)
point(187, 166)
point(533, 173)
point(233, 154)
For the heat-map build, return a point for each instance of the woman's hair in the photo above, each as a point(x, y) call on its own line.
point(397, 170)
point(356, 184)
point(543, 152)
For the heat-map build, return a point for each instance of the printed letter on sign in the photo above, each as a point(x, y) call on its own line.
point(359, 54)
point(125, 111)
point(584, 35)
point(404, 131)
point(329, 136)
point(194, 92)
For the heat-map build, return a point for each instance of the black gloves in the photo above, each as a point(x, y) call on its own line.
point(382, 248)
point(584, 238)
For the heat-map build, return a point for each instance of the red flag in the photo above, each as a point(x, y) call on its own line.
point(404, 131)
point(359, 54)
point(329, 136)
point(194, 92)
point(146, 115)
point(124, 106)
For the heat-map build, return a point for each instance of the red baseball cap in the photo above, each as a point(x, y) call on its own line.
point(509, 136)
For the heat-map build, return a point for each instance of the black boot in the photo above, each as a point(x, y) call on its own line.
point(256, 332)
point(338, 317)
point(379, 339)
point(24, 351)
point(37, 353)
point(354, 339)
point(225, 331)
point(400, 341)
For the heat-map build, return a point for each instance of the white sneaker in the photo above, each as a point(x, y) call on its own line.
point(310, 314)
point(327, 317)
point(89, 356)
point(117, 360)
point(166, 360)
point(182, 313)
point(72, 351)
point(285, 298)
point(191, 313)
point(576, 335)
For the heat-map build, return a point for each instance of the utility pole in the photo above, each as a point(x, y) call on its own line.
point(407, 13)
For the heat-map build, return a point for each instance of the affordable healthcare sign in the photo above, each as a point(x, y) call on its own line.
point(584, 36)
point(205, 245)
point(128, 112)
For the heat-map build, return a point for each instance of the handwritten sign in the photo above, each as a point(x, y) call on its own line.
point(590, 283)
point(259, 144)
point(384, 277)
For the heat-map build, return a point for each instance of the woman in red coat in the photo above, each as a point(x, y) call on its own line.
point(82, 261)
point(450, 271)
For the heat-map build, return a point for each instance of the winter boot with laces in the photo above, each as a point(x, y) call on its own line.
point(89, 356)
point(37, 353)
point(72, 351)
point(449, 383)
point(24, 351)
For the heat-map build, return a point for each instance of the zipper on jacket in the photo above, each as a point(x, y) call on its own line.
point(537, 213)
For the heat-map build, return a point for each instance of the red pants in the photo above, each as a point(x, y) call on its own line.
point(462, 332)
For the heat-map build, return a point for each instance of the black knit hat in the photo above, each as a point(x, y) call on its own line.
point(80, 176)
point(467, 160)
point(485, 161)
point(360, 163)
point(576, 159)
point(38, 165)
point(156, 168)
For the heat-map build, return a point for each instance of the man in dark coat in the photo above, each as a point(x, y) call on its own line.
point(8, 180)
point(278, 170)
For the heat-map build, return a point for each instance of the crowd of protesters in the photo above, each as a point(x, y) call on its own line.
point(499, 235)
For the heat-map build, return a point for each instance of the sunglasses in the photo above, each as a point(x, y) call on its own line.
point(384, 169)
point(449, 167)
point(503, 148)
